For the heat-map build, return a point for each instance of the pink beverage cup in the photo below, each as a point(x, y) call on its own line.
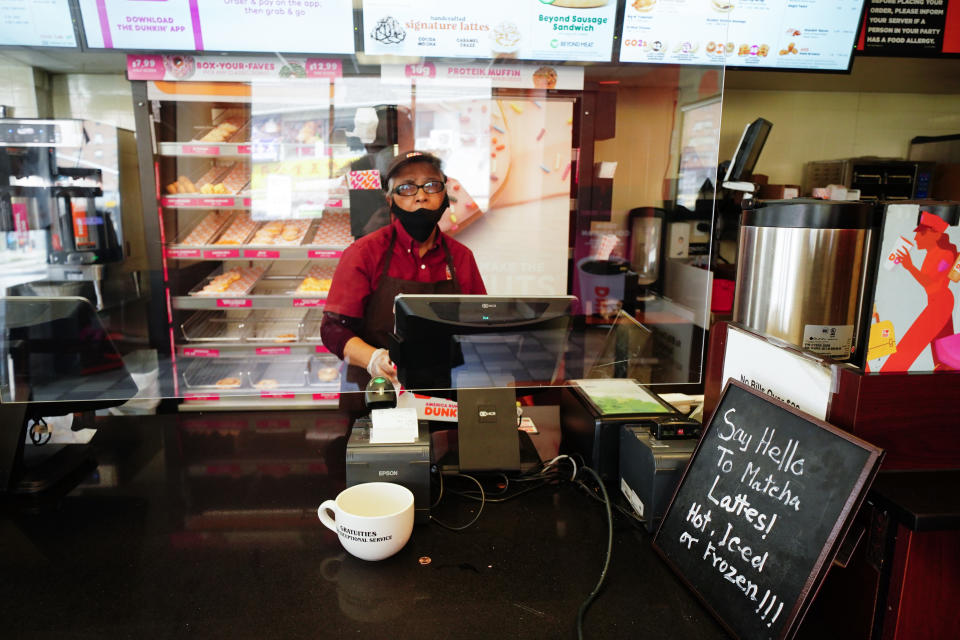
point(891, 259)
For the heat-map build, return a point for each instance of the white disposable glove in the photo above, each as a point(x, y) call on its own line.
point(381, 365)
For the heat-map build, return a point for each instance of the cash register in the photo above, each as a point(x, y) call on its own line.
point(477, 349)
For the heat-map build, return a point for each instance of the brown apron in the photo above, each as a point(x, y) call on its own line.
point(378, 315)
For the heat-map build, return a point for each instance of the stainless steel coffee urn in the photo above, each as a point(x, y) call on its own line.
point(802, 272)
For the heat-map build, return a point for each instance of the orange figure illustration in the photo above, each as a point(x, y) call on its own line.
point(936, 320)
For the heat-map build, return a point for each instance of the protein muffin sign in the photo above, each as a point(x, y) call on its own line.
point(525, 29)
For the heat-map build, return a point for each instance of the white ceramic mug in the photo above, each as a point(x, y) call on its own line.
point(373, 520)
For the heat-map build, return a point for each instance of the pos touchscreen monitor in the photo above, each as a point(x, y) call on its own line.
point(482, 347)
point(461, 341)
point(744, 161)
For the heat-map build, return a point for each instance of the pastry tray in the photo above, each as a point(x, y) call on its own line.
point(276, 326)
point(242, 134)
point(288, 374)
point(277, 286)
point(237, 219)
point(257, 271)
point(211, 175)
point(311, 325)
point(308, 232)
point(181, 239)
point(318, 271)
point(204, 373)
point(214, 326)
point(333, 229)
point(324, 370)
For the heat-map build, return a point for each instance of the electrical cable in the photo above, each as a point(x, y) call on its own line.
point(470, 495)
point(479, 511)
point(439, 497)
point(606, 563)
point(631, 517)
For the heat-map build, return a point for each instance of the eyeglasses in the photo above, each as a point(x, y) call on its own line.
point(410, 189)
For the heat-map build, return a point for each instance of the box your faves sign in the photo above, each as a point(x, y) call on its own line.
point(761, 511)
point(177, 67)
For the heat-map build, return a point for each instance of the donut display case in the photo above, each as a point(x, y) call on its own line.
point(244, 282)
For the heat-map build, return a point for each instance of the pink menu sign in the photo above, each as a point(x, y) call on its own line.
point(255, 26)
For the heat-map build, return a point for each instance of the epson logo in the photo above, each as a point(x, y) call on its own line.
point(487, 305)
point(389, 472)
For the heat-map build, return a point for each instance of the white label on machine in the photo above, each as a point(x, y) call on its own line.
point(834, 340)
point(631, 497)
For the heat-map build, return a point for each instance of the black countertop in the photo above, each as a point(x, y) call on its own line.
point(206, 526)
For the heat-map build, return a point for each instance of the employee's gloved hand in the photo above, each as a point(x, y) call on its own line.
point(381, 365)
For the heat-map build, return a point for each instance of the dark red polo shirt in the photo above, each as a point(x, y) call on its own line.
point(358, 271)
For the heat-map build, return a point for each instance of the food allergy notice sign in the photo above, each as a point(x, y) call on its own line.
point(761, 511)
point(904, 27)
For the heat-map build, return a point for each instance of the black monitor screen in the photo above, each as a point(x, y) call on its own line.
point(748, 150)
point(462, 341)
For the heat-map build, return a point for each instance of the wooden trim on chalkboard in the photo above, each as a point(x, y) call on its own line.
point(865, 465)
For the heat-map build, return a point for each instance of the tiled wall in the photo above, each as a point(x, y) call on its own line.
point(824, 125)
point(17, 88)
point(101, 97)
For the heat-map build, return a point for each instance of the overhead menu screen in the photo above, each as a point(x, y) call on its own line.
point(287, 26)
point(771, 34)
point(512, 29)
point(36, 23)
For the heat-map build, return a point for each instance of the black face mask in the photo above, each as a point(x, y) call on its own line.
point(420, 223)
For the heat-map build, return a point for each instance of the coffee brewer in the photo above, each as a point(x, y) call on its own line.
point(60, 201)
point(84, 233)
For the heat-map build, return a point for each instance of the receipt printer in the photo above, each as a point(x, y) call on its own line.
point(650, 470)
point(405, 463)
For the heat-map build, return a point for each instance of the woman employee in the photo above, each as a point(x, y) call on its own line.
point(410, 255)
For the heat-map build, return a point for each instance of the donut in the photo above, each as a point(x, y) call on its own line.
point(327, 374)
point(228, 383)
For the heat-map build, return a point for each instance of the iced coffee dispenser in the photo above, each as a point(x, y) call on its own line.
point(802, 270)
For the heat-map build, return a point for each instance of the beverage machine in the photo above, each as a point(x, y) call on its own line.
point(61, 186)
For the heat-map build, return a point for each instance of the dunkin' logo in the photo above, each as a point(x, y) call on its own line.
point(440, 412)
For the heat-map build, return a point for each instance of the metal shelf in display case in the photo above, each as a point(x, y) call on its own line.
point(248, 350)
point(267, 252)
point(204, 149)
point(200, 201)
point(252, 399)
point(199, 149)
point(270, 292)
point(237, 383)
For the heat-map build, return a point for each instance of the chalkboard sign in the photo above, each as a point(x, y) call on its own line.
point(762, 509)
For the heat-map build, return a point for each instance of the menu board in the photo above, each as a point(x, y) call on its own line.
point(36, 23)
point(914, 29)
point(519, 29)
point(807, 34)
point(289, 26)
